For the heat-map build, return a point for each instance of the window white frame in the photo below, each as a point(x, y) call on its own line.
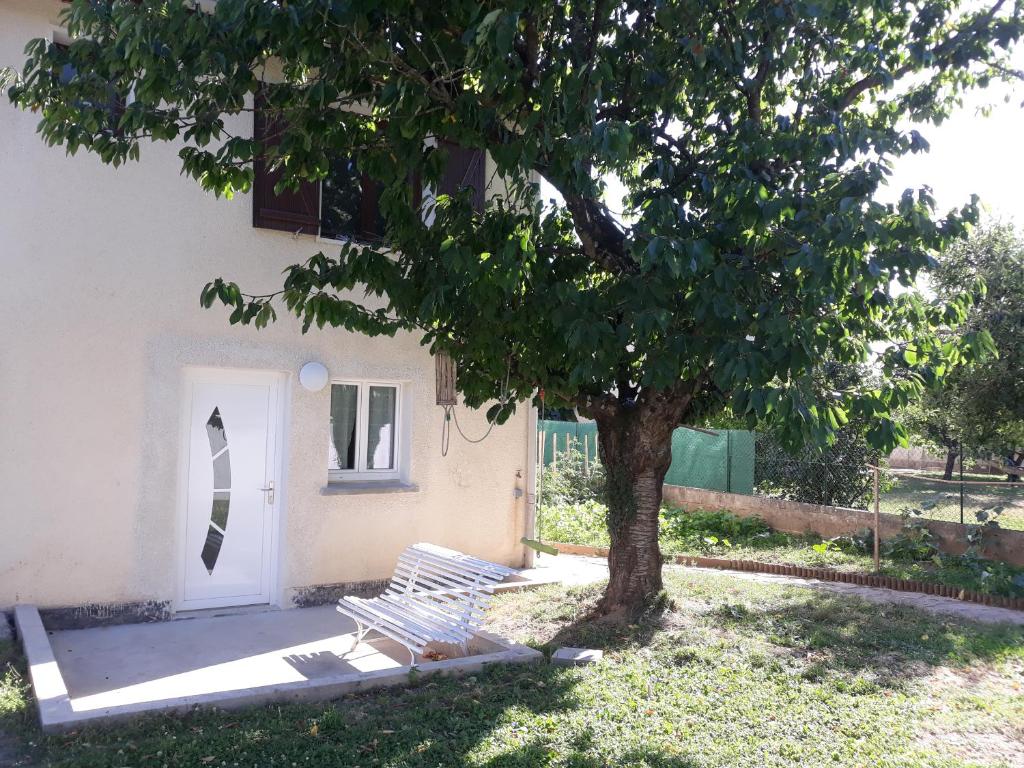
point(361, 473)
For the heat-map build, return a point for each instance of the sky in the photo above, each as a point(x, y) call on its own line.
point(972, 153)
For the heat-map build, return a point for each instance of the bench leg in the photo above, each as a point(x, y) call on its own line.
point(360, 633)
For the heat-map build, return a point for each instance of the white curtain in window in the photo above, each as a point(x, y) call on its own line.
point(344, 406)
point(380, 448)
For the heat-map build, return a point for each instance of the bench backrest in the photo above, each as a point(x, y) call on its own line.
point(449, 584)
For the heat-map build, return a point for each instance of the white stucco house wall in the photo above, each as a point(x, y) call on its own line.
point(140, 435)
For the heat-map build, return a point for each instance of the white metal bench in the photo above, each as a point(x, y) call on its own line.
point(436, 595)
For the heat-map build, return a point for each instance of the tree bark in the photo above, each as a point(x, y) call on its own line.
point(635, 444)
point(951, 454)
point(1016, 460)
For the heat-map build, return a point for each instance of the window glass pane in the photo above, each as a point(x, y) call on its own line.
point(344, 406)
point(346, 209)
point(380, 444)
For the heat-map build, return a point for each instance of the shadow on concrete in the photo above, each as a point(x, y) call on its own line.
point(96, 661)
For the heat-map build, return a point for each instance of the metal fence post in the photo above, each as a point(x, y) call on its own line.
point(961, 483)
point(877, 519)
point(728, 460)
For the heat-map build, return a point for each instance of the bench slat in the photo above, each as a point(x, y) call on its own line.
point(495, 573)
point(448, 555)
point(438, 573)
point(423, 629)
point(424, 571)
point(447, 608)
point(422, 609)
point(442, 601)
point(422, 582)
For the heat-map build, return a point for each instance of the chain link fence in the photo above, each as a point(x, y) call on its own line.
point(842, 476)
point(970, 501)
point(837, 476)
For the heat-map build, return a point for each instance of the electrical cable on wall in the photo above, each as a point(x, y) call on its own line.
point(444, 367)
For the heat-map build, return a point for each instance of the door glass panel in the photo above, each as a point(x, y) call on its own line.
point(380, 445)
point(221, 503)
point(344, 407)
point(222, 493)
point(222, 472)
point(215, 433)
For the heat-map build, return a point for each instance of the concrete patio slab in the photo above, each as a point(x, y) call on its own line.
point(559, 569)
point(114, 672)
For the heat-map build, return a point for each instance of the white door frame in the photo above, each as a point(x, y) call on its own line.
point(278, 414)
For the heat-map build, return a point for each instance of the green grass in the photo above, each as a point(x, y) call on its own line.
point(721, 534)
point(732, 674)
point(12, 684)
point(14, 704)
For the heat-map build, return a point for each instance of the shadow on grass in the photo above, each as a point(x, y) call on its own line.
point(894, 643)
point(507, 716)
point(539, 753)
point(855, 635)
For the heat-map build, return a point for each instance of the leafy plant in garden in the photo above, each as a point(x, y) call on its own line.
point(582, 523)
point(697, 526)
point(915, 541)
point(572, 480)
point(750, 138)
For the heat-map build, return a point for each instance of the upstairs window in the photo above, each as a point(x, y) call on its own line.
point(345, 205)
point(349, 204)
point(111, 103)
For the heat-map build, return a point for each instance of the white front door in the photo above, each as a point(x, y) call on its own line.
point(232, 493)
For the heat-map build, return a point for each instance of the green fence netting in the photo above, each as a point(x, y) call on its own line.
point(720, 462)
point(580, 435)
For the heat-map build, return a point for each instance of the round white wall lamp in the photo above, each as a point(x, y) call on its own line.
point(313, 376)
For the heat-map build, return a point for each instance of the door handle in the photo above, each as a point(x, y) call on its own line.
point(269, 490)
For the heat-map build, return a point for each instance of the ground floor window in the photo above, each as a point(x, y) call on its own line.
point(364, 436)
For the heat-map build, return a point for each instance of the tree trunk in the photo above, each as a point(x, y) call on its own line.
point(1016, 460)
point(951, 454)
point(635, 443)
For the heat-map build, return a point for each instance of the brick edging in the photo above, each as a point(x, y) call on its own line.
point(822, 574)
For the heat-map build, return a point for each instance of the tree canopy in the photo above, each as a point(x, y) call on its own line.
point(981, 408)
point(751, 137)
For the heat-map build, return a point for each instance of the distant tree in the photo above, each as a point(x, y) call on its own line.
point(751, 137)
point(982, 407)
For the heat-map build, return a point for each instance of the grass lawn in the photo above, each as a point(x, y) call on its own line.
point(732, 673)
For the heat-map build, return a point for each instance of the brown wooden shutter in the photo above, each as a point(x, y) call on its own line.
point(291, 211)
point(465, 169)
